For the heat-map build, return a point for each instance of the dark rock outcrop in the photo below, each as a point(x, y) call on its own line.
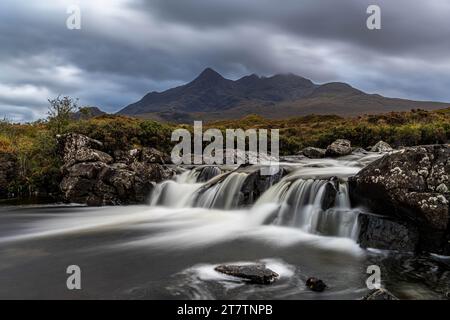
point(8, 170)
point(412, 185)
point(313, 153)
point(256, 184)
point(252, 273)
point(385, 233)
point(339, 148)
point(330, 192)
point(93, 177)
point(144, 155)
point(379, 294)
point(77, 148)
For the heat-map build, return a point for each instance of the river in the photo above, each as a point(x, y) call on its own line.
point(168, 249)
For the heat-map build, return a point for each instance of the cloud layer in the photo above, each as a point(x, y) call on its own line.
point(126, 48)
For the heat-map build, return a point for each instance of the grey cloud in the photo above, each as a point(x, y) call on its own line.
point(144, 46)
point(407, 24)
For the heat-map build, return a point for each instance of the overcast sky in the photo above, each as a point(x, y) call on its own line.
point(127, 48)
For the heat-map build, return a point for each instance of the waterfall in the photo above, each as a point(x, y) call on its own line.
point(185, 191)
point(343, 197)
point(174, 194)
point(340, 220)
point(208, 173)
point(189, 176)
point(308, 204)
point(314, 205)
point(223, 195)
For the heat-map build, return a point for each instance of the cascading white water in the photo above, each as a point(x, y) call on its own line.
point(309, 204)
point(294, 196)
point(188, 176)
point(223, 195)
point(303, 205)
point(174, 194)
point(343, 197)
point(340, 220)
point(186, 192)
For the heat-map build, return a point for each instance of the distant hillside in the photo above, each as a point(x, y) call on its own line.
point(212, 97)
point(87, 113)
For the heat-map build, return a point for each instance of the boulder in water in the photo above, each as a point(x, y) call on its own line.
point(411, 185)
point(339, 148)
point(380, 294)
point(330, 192)
point(381, 146)
point(313, 153)
point(315, 284)
point(252, 273)
point(256, 184)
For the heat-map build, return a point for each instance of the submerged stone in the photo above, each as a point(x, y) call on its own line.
point(252, 273)
point(315, 284)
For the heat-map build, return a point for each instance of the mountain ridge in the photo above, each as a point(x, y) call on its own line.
point(210, 96)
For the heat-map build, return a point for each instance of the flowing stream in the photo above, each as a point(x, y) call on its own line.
point(302, 225)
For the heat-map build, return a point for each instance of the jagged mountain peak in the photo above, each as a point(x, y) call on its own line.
point(209, 74)
point(277, 96)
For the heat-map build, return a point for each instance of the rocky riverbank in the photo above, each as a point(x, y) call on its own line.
point(95, 178)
